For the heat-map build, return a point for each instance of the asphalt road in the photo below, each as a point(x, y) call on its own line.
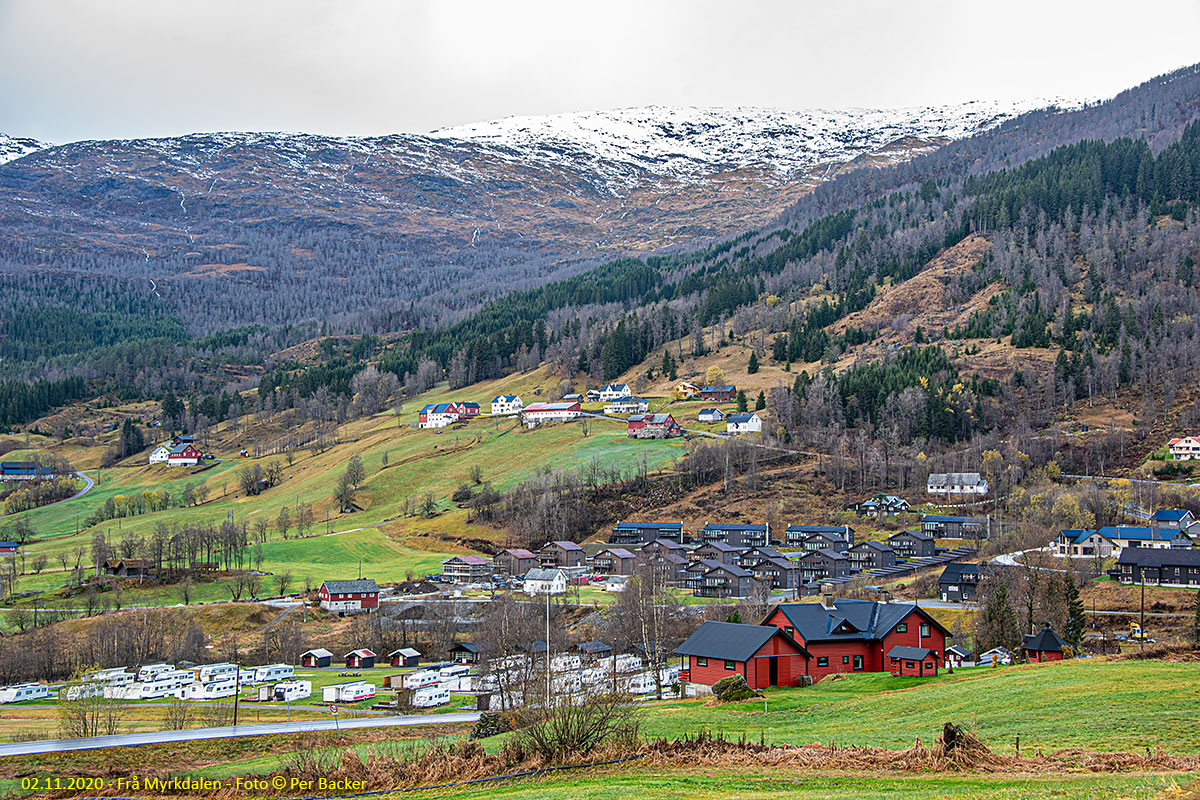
point(228, 732)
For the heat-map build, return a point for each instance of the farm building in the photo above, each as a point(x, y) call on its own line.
point(466, 569)
point(761, 654)
point(26, 471)
point(738, 424)
point(956, 484)
point(513, 562)
point(439, 415)
point(10, 547)
point(349, 596)
point(184, 455)
point(741, 536)
point(506, 405)
point(1045, 645)
point(159, 454)
point(466, 652)
point(361, 658)
point(652, 426)
point(724, 393)
point(627, 405)
point(711, 415)
point(537, 413)
point(316, 658)
point(404, 657)
point(613, 391)
point(646, 532)
point(127, 568)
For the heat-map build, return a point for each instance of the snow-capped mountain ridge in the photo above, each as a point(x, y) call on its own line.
point(684, 141)
point(13, 147)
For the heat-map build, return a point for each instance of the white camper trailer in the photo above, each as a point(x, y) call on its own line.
point(20, 692)
point(417, 680)
point(288, 691)
point(208, 673)
point(149, 671)
point(213, 690)
point(111, 677)
point(347, 692)
point(273, 672)
point(430, 697)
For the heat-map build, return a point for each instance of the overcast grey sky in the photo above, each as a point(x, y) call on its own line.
point(75, 69)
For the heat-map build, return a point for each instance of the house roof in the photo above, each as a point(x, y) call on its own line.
point(319, 652)
point(724, 387)
point(407, 652)
point(910, 653)
point(652, 419)
point(659, 526)
point(619, 552)
point(469, 647)
point(703, 565)
point(519, 552)
point(721, 547)
point(738, 419)
point(782, 563)
point(505, 398)
point(543, 574)
point(351, 587)
point(954, 573)
point(1137, 533)
point(1045, 640)
point(729, 641)
point(838, 529)
point(1169, 515)
point(923, 537)
point(362, 652)
point(710, 411)
point(765, 550)
point(594, 647)
point(870, 545)
point(709, 526)
point(961, 652)
point(823, 553)
point(534, 408)
point(629, 398)
point(473, 560)
point(955, 477)
point(732, 569)
point(945, 518)
point(615, 387)
point(1160, 556)
point(868, 619)
point(890, 499)
point(562, 544)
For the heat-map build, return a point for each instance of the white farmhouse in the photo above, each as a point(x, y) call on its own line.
point(612, 391)
point(1184, 449)
point(506, 405)
point(160, 454)
point(541, 580)
point(956, 484)
point(737, 424)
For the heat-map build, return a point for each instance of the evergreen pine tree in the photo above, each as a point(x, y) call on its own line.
point(998, 621)
point(742, 405)
point(1073, 631)
point(761, 402)
point(753, 366)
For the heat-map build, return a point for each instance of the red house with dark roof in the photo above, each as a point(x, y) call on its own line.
point(858, 635)
point(763, 655)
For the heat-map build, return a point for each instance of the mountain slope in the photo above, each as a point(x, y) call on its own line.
point(12, 147)
point(446, 220)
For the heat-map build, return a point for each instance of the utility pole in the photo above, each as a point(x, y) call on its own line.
point(237, 692)
point(1142, 617)
point(547, 648)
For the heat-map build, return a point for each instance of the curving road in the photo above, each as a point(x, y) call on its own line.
point(228, 732)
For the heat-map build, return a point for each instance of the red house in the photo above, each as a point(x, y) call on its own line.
point(360, 659)
point(762, 654)
point(349, 596)
point(1046, 645)
point(857, 635)
point(652, 426)
point(184, 455)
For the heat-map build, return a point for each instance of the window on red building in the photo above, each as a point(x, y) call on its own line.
point(822, 661)
point(902, 627)
point(701, 662)
point(924, 628)
point(730, 665)
point(858, 662)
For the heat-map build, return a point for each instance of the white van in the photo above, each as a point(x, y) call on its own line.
point(288, 691)
point(416, 680)
point(273, 672)
point(430, 697)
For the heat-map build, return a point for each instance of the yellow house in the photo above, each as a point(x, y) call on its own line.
point(685, 390)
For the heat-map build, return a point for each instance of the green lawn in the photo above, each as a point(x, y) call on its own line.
point(1087, 703)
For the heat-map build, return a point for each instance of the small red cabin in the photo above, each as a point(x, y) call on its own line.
point(1045, 645)
point(915, 661)
point(360, 659)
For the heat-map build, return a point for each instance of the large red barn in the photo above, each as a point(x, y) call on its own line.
point(763, 655)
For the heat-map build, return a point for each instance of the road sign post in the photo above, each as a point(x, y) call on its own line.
point(337, 725)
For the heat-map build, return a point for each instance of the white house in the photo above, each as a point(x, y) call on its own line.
point(960, 484)
point(711, 415)
point(1184, 449)
point(1082, 543)
point(743, 423)
point(627, 405)
point(544, 581)
point(160, 454)
point(537, 413)
point(613, 391)
point(506, 405)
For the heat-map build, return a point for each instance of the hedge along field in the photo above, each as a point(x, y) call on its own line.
point(1090, 704)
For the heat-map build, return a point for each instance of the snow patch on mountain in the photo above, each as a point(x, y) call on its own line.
point(12, 147)
point(683, 142)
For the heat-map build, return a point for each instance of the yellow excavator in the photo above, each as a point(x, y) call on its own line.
point(1136, 633)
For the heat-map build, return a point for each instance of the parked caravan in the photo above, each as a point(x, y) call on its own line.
point(164, 684)
point(418, 680)
point(454, 671)
point(81, 691)
point(246, 675)
point(288, 691)
point(566, 661)
point(273, 672)
point(207, 673)
point(149, 671)
point(111, 677)
point(641, 683)
point(347, 692)
point(20, 692)
point(430, 697)
point(213, 690)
